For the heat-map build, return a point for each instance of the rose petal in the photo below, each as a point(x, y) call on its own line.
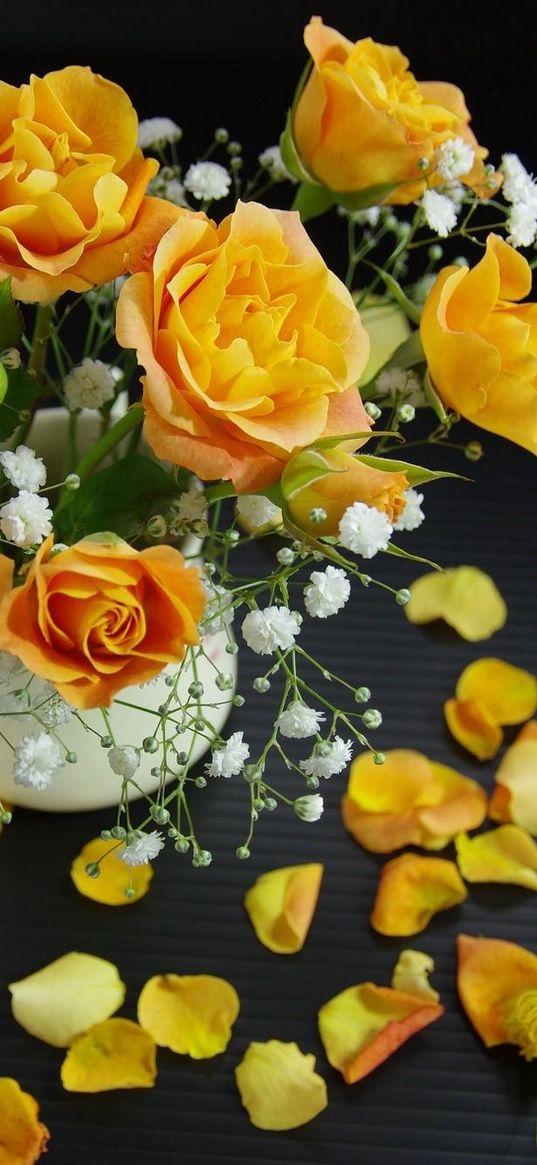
point(279, 1087)
point(114, 1054)
point(473, 727)
point(363, 1025)
point(117, 884)
point(463, 596)
point(191, 1014)
point(508, 693)
point(66, 997)
point(411, 975)
point(22, 1136)
point(507, 854)
point(514, 797)
point(497, 983)
point(281, 905)
point(527, 732)
point(412, 889)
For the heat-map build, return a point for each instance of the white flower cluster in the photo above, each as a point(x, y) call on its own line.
point(364, 530)
point(440, 212)
point(229, 760)
point(328, 759)
point(309, 807)
point(520, 189)
point(23, 469)
point(26, 519)
point(271, 628)
point(454, 159)
point(256, 513)
point(271, 160)
point(158, 131)
point(402, 384)
point(207, 181)
point(298, 721)
point(327, 592)
point(142, 849)
point(89, 385)
point(219, 612)
point(191, 506)
point(412, 515)
point(37, 759)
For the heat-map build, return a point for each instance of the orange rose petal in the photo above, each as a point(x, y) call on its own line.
point(473, 727)
point(515, 795)
point(497, 984)
point(411, 975)
point(279, 1087)
point(507, 854)
point(463, 596)
point(363, 1025)
point(507, 693)
point(528, 731)
point(191, 1014)
point(114, 1054)
point(411, 890)
point(281, 905)
point(117, 884)
point(22, 1136)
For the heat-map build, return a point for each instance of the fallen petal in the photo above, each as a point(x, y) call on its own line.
point(497, 984)
point(463, 596)
point(279, 1087)
point(507, 854)
point(472, 726)
point(22, 1136)
point(515, 794)
point(281, 905)
point(507, 693)
point(67, 997)
point(411, 975)
point(117, 884)
point(412, 889)
point(114, 1054)
point(191, 1014)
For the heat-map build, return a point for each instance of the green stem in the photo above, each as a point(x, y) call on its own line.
point(129, 421)
point(40, 339)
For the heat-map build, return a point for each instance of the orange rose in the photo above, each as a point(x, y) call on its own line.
point(72, 183)
point(251, 345)
point(99, 616)
point(480, 343)
point(351, 481)
point(363, 121)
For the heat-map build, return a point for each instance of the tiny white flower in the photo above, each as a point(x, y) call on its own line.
point(124, 761)
point(229, 760)
point(256, 513)
point(298, 721)
point(25, 520)
point(273, 627)
point(89, 385)
point(143, 849)
point(23, 469)
point(456, 193)
point(522, 225)
point(52, 708)
point(309, 807)
point(368, 217)
point(272, 161)
point(454, 159)
point(518, 185)
point(364, 530)
point(219, 612)
point(191, 506)
point(327, 592)
point(174, 191)
point(440, 213)
point(158, 131)
point(412, 515)
point(207, 181)
point(330, 761)
point(400, 384)
point(37, 759)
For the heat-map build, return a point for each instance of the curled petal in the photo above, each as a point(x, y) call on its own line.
point(463, 596)
point(412, 889)
point(497, 984)
point(279, 1087)
point(117, 883)
point(114, 1054)
point(514, 796)
point(281, 905)
point(67, 997)
point(507, 854)
point(22, 1136)
point(473, 727)
point(363, 1025)
point(508, 693)
point(411, 975)
point(191, 1014)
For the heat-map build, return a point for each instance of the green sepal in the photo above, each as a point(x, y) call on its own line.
point(416, 474)
point(399, 553)
point(302, 470)
point(433, 398)
point(311, 200)
point(20, 393)
point(11, 321)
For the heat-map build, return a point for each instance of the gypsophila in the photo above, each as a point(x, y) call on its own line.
point(36, 761)
point(23, 469)
point(229, 760)
point(327, 592)
point(439, 212)
point(207, 181)
point(158, 131)
point(274, 627)
point(401, 384)
point(309, 807)
point(298, 721)
point(329, 763)
point(412, 515)
point(89, 385)
point(454, 158)
point(142, 849)
point(25, 520)
point(364, 530)
point(174, 191)
point(52, 708)
point(518, 185)
point(272, 161)
point(522, 225)
point(368, 217)
point(124, 761)
point(256, 512)
point(191, 506)
point(219, 612)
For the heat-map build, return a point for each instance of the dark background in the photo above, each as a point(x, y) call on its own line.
point(442, 1098)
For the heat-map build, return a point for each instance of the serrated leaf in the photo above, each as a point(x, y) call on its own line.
point(433, 398)
point(416, 474)
point(22, 390)
point(11, 321)
point(120, 498)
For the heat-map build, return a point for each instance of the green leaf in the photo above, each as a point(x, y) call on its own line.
point(396, 290)
point(11, 321)
point(416, 474)
point(3, 382)
point(361, 435)
point(399, 553)
point(22, 390)
point(311, 200)
point(409, 354)
point(302, 470)
point(120, 498)
point(433, 398)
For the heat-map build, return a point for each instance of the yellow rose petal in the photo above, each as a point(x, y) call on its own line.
point(411, 975)
point(411, 890)
point(473, 727)
point(114, 1054)
point(497, 984)
point(22, 1136)
point(66, 997)
point(463, 596)
point(281, 905)
point(508, 693)
point(507, 854)
point(191, 1014)
point(515, 795)
point(279, 1087)
point(117, 883)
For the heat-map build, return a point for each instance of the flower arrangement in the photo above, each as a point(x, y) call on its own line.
point(277, 400)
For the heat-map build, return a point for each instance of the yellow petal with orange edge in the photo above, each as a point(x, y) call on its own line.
point(22, 1136)
point(281, 905)
point(508, 693)
point(67, 997)
point(114, 1054)
point(473, 727)
point(515, 796)
point(411, 975)
point(117, 884)
point(279, 1087)
point(497, 984)
point(411, 890)
point(507, 854)
point(462, 596)
point(363, 1025)
point(191, 1014)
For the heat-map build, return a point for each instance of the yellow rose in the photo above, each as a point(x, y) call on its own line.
point(363, 121)
point(481, 343)
point(350, 481)
point(251, 346)
point(72, 185)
